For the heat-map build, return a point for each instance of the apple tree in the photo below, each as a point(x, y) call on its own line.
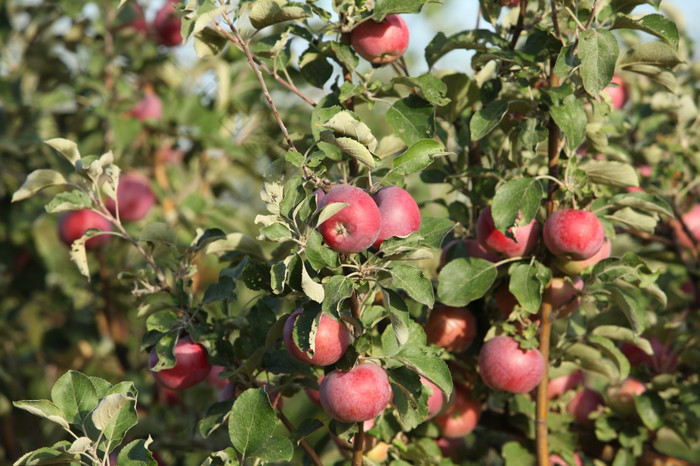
point(246, 232)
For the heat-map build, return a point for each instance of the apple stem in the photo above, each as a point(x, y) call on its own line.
point(358, 445)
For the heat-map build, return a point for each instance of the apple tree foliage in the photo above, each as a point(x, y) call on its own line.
point(264, 104)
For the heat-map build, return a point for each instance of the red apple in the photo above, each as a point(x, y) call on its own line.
point(72, 225)
point(191, 365)
point(618, 95)
point(148, 108)
point(461, 417)
point(662, 361)
point(167, 25)
point(472, 248)
point(573, 234)
point(583, 404)
point(560, 385)
point(399, 213)
point(576, 267)
point(381, 42)
point(355, 227)
point(504, 366)
point(526, 236)
point(131, 16)
point(332, 339)
point(134, 196)
point(452, 328)
point(563, 295)
point(505, 300)
point(357, 395)
point(436, 400)
point(621, 397)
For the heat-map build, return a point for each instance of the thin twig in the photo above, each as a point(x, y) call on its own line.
point(358, 445)
point(519, 25)
point(303, 443)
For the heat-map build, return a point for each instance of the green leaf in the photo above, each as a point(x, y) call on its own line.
point(350, 146)
point(651, 409)
point(116, 413)
point(386, 7)
point(426, 364)
point(276, 449)
point(136, 453)
point(315, 68)
point(78, 254)
point(591, 359)
point(76, 396)
point(49, 455)
point(615, 332)
point(527, 282)
point(516, 201)
point(223, 290)
point(347, 123)
point(45, 409)
point(36, 181)
point(418, 156)
point(67, 201)
point(267, 12)
point(463, 280)
point(412, 119)
point(658, 54)
point(318, 255)
point(477, 39)
point(571, 118)
point(634, 219)
point(487, 118)
point(613, 353)
point(252, 421)
point(598, 50)
point(646, 202)
point(428, 86)
point(398, 316)
point(654, 24)
point(206, 237)
point(312, 289)
point(412, 281)
point(517, 455)
point(235, 242)
point(209, 42)
point(409, 397)
point(159, 232)
point(610, 173)
point(337, 289)
point(162, 321)
point(68, 149)
point(434, 229)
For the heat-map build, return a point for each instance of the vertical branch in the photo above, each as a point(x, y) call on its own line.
point(520, 24)
point(358, 445)
point(542, 407)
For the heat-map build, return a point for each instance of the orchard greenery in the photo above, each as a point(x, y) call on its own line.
point(236, 119)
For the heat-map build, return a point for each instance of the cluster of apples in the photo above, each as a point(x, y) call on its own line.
point(135, 199)
point(367, 220)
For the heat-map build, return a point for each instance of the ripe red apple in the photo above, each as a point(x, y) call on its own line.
point(662, 361)
point(504, 366)
point(526, 236)
point(399, 213)
point(436, 400)
point(72, 225)
point(505, 300)
point(472, 248)
point(576, 267)
point(332, 339)
point(381, 42)
point(583, 404)
point(452, 328)
point(563, 295)
point(461, 417)
point(573, 234)
point(621, 397)
point(355, 227)
point(618, 95)
point(167, 25)
point(692, 220)
point(357, 395)
point(134, 196)
point(148, 108)
point(191, 365)
point(560, 385)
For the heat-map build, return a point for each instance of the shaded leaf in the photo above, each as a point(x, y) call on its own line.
point(36, 181)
